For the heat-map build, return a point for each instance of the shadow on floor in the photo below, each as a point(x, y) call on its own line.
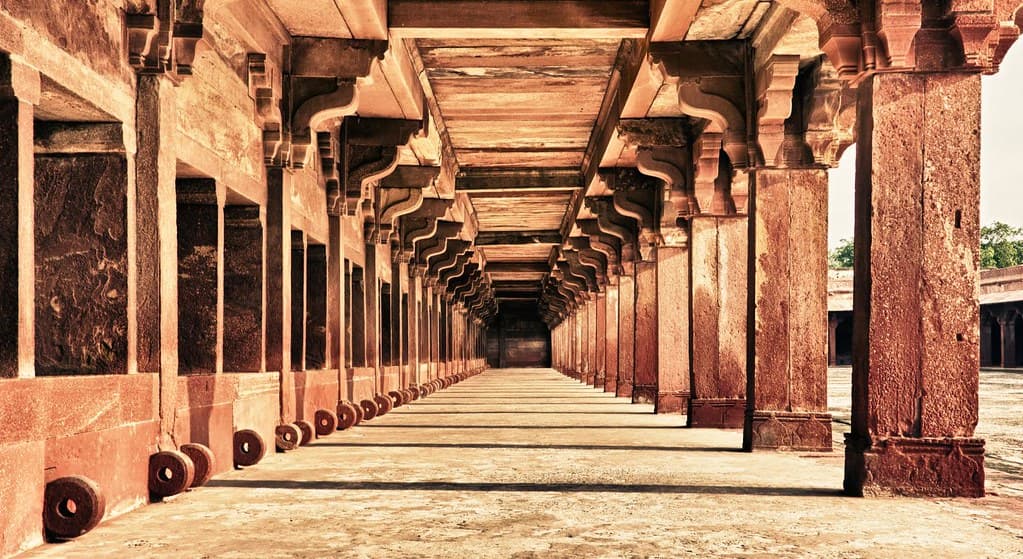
point(530, 412)
point(489, 446)
point(526, 487)
point(542, 427)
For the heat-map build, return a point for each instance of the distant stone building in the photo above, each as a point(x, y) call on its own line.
point(1001, 317)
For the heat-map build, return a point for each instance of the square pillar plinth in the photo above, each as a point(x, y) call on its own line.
point(916, 312)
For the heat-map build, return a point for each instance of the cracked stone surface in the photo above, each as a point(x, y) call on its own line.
point(528, 463)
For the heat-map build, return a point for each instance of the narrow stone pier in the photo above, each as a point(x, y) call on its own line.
point(530, 463)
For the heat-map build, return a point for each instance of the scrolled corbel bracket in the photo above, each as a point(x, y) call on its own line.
point(775, 83)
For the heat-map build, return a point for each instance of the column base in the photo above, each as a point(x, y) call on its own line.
point(717, 413)
point(624, 390)
point(785, 430)
point(920, 467)
point(671, 402)
point(644, 394)
point(587, 377)
point(599, 381)
point(610, 385)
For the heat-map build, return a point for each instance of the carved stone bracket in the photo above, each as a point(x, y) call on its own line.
point(710, 77)
point(615, 224)
point(775, 82)
point(162, 35)
point(637, 196)
point(860, 37)
point(369, 151)
point(608, 245)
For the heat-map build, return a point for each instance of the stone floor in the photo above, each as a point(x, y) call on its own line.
point(527, 463)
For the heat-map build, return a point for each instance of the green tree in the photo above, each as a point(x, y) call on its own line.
point(842, 257)
point(1001, 245)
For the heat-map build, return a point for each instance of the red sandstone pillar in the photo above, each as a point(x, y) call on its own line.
point(591, 339)
point(644, 389)
point(599, 334)
point(626, 329)
point(611, 336)
point(915, 365)
point(719, 252)
point(278, 286)
point(673, 326)
point(787, 388)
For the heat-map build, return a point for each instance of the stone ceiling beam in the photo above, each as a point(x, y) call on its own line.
point(519, 19)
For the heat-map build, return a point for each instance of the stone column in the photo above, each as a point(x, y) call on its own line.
point(719, 249)
point(787, 385)
point(156, 287)
point(372, 291)
point(335, 358)
point(673, 360)
point(611, 336)
point(298, 300)
point(626, 329)
point(599, 335)
point(414, 324)
point(19, 93)
point(915, 367)
point(644, 389)
point(278, 286)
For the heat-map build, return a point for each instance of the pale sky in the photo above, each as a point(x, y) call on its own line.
point(1001, 151)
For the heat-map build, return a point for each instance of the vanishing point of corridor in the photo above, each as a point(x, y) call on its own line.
point(529, 463)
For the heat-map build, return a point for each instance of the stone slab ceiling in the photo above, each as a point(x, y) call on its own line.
point(525, 104)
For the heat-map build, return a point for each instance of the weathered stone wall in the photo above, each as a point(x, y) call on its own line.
point(81, 265)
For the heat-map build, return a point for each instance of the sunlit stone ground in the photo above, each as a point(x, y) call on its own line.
point(527, 463)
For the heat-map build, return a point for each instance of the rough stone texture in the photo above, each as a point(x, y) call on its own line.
point(316, 307)
point(81, 265)
point(92, 32)
point(611, 339)
point(243, 289)
point(197, 276)
point(469, 477)
point(101, 426)
point(298, 293)
point(626, 334)
point(672, 329)
point(787, 380)
point(719, 252)
point(205, 415)
point(599, 337)
point(315, 390)
point(644, 389)
point(915, 366)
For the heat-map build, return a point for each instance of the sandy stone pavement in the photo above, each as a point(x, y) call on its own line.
point(527, 463)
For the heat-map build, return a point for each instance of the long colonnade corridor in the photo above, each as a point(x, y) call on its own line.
point(529, 463)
